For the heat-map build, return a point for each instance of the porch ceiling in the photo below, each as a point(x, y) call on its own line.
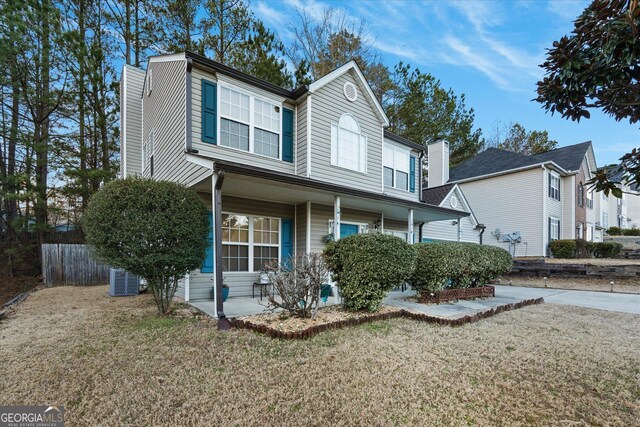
point(257, 188)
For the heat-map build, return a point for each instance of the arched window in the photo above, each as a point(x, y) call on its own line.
point(580, 194)
point(348, 145)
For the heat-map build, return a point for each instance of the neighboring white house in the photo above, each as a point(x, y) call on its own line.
point(527, 201)
point(621, 212)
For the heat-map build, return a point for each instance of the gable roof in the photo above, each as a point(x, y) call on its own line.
point(435, 195)
point(349, 66)
point(494, 161)
point(569, 158)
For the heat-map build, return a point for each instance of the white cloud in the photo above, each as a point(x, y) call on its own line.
point(269, 15)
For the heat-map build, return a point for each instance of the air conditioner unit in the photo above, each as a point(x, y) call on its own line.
point(122, 283)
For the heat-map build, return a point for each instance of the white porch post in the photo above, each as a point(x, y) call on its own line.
point(214, 179)
point(186, 287)
point(382, 222)
point(410, 226)
point(308, 234)
point(459, 230)
point(336, 218)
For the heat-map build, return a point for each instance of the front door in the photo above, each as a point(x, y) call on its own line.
point(348, 229)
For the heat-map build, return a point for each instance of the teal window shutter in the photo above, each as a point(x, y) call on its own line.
point(207, 264)
point(287, 135)
point(412, 174)
point(286, 241)
point(209, 117)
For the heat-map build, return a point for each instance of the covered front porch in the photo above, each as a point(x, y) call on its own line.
point(261, 217)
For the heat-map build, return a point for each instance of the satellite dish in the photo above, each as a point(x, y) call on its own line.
point(496, 233)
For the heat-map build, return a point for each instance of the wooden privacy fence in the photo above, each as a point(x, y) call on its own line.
point(69, 264)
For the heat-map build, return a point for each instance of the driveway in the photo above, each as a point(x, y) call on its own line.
point(624, 303)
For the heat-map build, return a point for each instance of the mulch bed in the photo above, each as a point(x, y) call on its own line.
point(456, 294)
point(304, 331)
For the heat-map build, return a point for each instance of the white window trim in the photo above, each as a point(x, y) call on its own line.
point(251, 244)
point(605, 224)
point(251, 124)
point(366, 143)
point(554, 177)
point(557, 220)
point(395, 171)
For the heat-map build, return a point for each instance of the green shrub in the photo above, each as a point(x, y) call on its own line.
point(155, 229)
point(631, 232)
point(606, 249)
point(584, 249)
point(614, 231)
point(563, 248)
point(367, 266)
point(457, 265)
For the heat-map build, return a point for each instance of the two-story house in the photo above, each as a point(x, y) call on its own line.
point(621, 212)
point(282, 171)
point(527, 201)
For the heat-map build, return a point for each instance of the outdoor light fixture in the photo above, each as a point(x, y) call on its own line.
point(612, 283)
point(510, 282)
point(545, 281)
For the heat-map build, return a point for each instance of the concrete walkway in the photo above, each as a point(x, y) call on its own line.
point(450, 310)
point(624, 303)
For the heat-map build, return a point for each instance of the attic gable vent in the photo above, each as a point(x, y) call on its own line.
point(350, 91)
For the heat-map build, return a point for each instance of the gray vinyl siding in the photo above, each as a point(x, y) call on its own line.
point(447, 230)
point(224, 153)
point(402, 193)
point(512, 202)
point(131, 84)
point(164, 113)
point(240, 284)
point(301, 228)
point(301, 142)
point(320, 216)
point(328, 104)
point(568, 199)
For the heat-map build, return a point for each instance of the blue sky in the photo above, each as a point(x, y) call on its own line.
point(489, 50)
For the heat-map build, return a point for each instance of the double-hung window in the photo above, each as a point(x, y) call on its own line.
point(249, 243)
point(554, 186)
point(234, 119)
point(554, 229)
point(605, 219)
point(581, 194)
point(396, 167)
point(348, 145)
point(589, 199)
point(266, 129)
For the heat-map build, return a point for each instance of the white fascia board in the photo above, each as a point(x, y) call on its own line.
point(351, 65)
point(205, 163)
point(509, 171)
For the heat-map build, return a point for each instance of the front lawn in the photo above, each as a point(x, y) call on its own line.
point(112, 361)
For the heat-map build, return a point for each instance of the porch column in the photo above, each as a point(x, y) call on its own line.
point(382, 222)
point(216, 182)
point(410, 226)
point(336, 218)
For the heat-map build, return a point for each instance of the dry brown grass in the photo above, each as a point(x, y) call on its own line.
point(113, 362)
point(626, 286)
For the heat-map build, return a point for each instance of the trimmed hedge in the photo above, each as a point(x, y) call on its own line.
point(617, 231)
point(582, 249)
point(606, 249)
point(457, 265)
point(367, 266)
point(563, 248)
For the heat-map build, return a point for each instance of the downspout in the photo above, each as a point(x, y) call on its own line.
point(420, 186)
point(223, 322)
point(482, 228)
point(188, 107)
point(420, 231)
